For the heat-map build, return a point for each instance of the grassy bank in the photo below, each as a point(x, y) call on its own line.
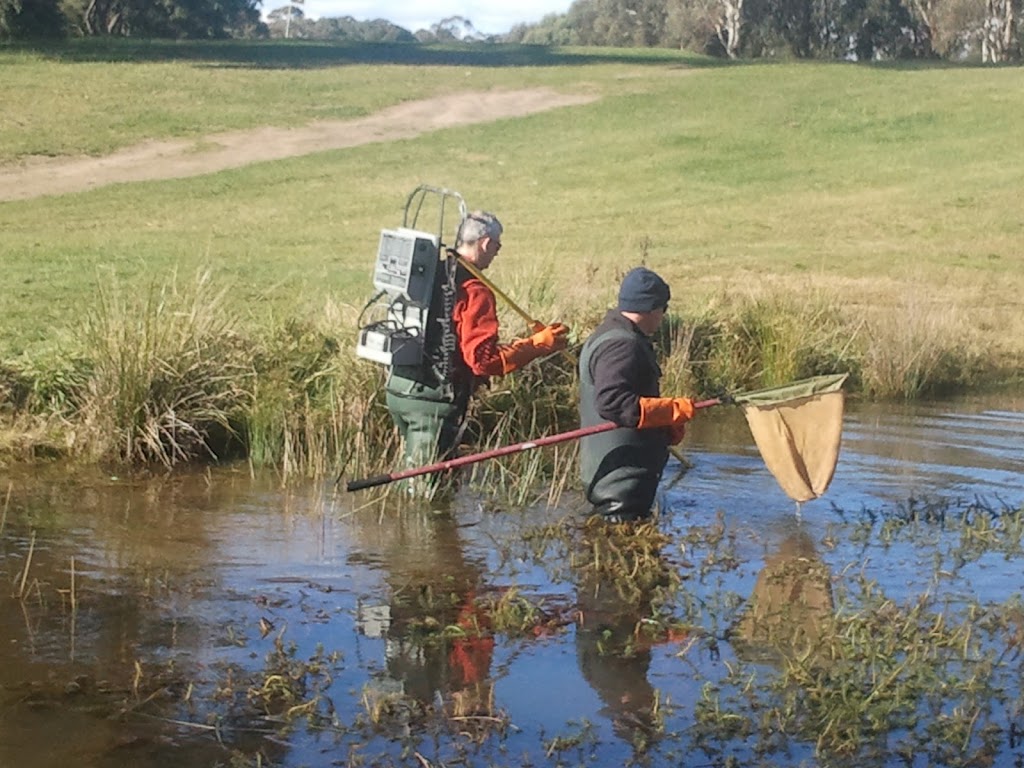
point(173, 374)
point(810, 218)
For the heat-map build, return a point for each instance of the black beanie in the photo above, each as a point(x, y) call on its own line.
point(643, 291)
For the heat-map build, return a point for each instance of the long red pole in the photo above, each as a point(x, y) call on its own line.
point(505, 450)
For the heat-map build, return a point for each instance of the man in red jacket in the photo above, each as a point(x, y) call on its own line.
point(428, 402)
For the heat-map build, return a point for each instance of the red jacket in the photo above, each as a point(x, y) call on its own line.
point(476, 324)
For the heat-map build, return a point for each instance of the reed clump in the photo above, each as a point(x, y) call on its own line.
point(912, 350)
point(36, 403)
point(313, 409)
point(920, 348)
point(539, 400)
point(754, 341)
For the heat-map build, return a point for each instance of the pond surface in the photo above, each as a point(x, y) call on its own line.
point(215, 618)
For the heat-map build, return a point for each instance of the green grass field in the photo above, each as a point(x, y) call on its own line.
point(892, 190)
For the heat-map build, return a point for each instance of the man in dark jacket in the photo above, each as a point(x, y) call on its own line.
point(619, 382)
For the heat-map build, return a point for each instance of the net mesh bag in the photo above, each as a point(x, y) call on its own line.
point(797, 429)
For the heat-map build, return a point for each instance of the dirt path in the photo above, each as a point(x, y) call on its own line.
point(217, 152)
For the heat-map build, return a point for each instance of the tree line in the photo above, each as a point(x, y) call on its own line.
point(864, 30)
point(206, 19)
point(176, 19)
point(289, 21)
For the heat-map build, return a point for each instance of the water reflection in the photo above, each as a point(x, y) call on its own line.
point(438, 639)
point(96, 565)
point(790, 605)
point(623, 578)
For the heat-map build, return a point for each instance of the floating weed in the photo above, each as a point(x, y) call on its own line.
point(717, 720)
point(552, 546)
point(716, 543)
point(291, 688)
point(239, 759)
point(960, 531)
point(584, 735)
point(385, 707)
point(873, 668)
point(512, 613)
point(464, 715)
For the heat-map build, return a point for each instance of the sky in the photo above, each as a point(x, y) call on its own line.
point(492, 17)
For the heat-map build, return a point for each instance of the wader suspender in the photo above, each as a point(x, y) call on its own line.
point(449, 346)
point(588, 352)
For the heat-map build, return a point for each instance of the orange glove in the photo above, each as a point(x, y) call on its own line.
point(664, 412)
point(551, 338)
point(537, 326)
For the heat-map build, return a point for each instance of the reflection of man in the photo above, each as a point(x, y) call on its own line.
point(433, 588)
point(791, 601)
point(612, 648)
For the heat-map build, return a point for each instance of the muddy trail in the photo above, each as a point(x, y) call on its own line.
point(174, 159)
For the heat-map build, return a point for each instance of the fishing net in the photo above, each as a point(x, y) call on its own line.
point(797, 428)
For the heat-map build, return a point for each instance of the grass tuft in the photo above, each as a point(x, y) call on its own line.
point(166, 374)
point(925, 348)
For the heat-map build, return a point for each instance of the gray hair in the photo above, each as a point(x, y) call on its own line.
point(478, 225)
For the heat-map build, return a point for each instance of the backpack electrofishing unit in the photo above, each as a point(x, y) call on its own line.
point(408, 323)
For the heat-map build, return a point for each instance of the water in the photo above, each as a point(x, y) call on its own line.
point(209, 607)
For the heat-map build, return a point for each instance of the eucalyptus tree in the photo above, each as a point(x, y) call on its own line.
point(339, 28)
point(30, 18)
point(286, 17)
point(691, 23)
point(553, 29)
point(163, 18)
point(881, 29)
point(999, 40)
point(863, 30)
point(957, 29)
point(624, 23)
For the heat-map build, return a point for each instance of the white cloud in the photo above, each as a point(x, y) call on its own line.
point(487, 16)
